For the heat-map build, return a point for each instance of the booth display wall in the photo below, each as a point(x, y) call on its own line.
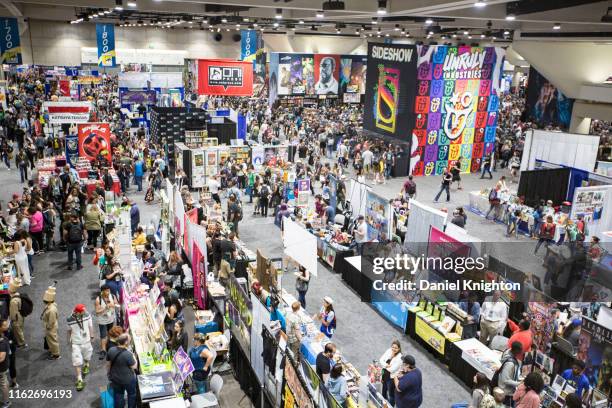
point(300, 245)
point(566, 149)
point(458, 91)
point(422, 218)
point(356, 194)
point(595, 204)
point(261, 318)
point(545, 184)
point(378, 217)
point(151, 80)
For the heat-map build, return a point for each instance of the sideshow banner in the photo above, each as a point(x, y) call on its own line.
point(64, 87)
point(596, 351)
point(191, 218)
point(105, 36)
point(273, 82)
point(67, 112)
point(326, 74)
point(378, 212)
point(390, 90)
point(303, 192)
point(72, 149)
point(198, 266)
point(10, 43)
point(589, 204)
point(353, 70)
point(443, 246)
point(261, 318)
point(94, 140)
point(456, 106)
point(545, 104)
point(225, 77)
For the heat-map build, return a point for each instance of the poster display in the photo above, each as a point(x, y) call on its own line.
point(183, 363)
point(589, 204)
point(284, 75)
point(273, 82)
point(301, 397)
point(94, 140)
point(390, 90)
point(545, 104)
point(10, 43)
point(353, 69)
point(72, 149)
point(326, 74)
point(260, 74)
point(596, 351)
point(303, 192)
point(378, 213)
point(198, 266)
point(225, 77)
point(148, 97)
point(105, 37)
point(458, 90)
point(238, 311)
point(542, 324)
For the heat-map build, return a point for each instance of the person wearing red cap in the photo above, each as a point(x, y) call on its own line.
point(80, 335)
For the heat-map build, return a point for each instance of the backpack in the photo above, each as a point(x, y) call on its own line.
point(411, 188)
point(48, 221)
point(495, 378)
point(264, 192)
point(493, 195)
point(27, 306)
point(75, 233)
point(238, 214)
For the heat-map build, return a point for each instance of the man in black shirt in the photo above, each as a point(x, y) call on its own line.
point(225, 256)
point(325, 361)
point(5, 353)
point(121, 372)
point(447, 177)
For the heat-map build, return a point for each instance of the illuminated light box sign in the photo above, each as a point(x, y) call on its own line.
point(456, 104)
point(390, 90)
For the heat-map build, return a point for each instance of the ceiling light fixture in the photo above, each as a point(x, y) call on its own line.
point(224, 20)
point(382, 7)
point(132, 4)
point(301, 22)
point(431, 33)
point(374, 21)
point(118, 5)
point(275, 24)
point(396, 28)
point(557, 26)
point(454, 35)
point(510, 17)
point(506, 32)
point(386, 35)
point(279, 14)
point(480, 3)
point(255, 25)
point(429, 21)
point(466, 32)
point(245, 19)
point(320, 14)
point(482, 36)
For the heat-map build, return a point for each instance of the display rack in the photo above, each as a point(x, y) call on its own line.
point(195, 138)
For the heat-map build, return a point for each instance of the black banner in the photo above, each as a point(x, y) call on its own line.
point(545, 104)
point(390, 90)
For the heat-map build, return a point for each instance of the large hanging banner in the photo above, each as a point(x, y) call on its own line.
point(273, 82)
point(94, 139)
point(596, 351)
point(10, 43)
point(545, 104)
point(353, 69)
point(456, 107)
point(390, 90)
point(250, 43)
point(225, 77)
point(105, 36)
point(326, 74)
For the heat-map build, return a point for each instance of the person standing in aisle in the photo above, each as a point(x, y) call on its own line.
point(49, 318)
point(80, 335)
point(327, 317)
point(391, 361)
point(7, 331)
point(234, 213)
point(509, 371)
point(74, 235)
point(5, 352)
point(93, 224)
point(486, 166)
point(202, 359)
point(106, 315)
point(139, 167)
point(121, 372)
point(21, 247)
point(213, 186)
point(493, 316)
point(445, 185)
point(409, 189)
point(302, 279)
point(17, 319)
point(294, 330)
point(408, 384)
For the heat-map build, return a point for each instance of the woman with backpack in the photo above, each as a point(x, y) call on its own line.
point(481, 388)
point(302, 278)
point(547, 233)
point(327, 316)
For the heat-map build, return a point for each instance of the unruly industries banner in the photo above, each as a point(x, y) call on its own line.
point(10, 43)
point(456, 106)
point(105, 36)
point(390, 90)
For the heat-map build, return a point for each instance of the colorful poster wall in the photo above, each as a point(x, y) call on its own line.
point(589, 204)
point(390, 90)
point(545, 104)
point(456, 106)
point(326, 74)
point(378, 213)
point(72, 149)
point(353, 69)
point(595, 350)
point(94, 140)
point(225, 77)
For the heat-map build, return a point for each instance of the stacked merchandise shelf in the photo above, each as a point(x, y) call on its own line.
point(195, 138)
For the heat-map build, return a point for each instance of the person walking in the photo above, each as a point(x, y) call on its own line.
point(494, 202)
point(93, 224)
point(36, 228)
point(121, 372)
point(294, 330)
point(234, 213)
point(21, 247)
point(7, 331)
point(49, 318)
point(481, 388)
point(80, 336)
point(391, 361)
point(74, 235)
point(408, 384)
point(447, 178)
point(409, 189)
point(486, 166)
point(546, 234)
point(17, 319)
point(5, 352)
point(302, 279)
point(456, 173)
point(106, 315)
point(139, 167)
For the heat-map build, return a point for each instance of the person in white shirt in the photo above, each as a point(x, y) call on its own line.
point(366, 158)
point(361, 233)
point(80, 335)
point(213, 186)
point(493, 317)
point(391, 362)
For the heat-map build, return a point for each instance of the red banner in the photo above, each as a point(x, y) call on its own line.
point(199, 267)
point(225, 77)
point(94, 139)
point(64, 87)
